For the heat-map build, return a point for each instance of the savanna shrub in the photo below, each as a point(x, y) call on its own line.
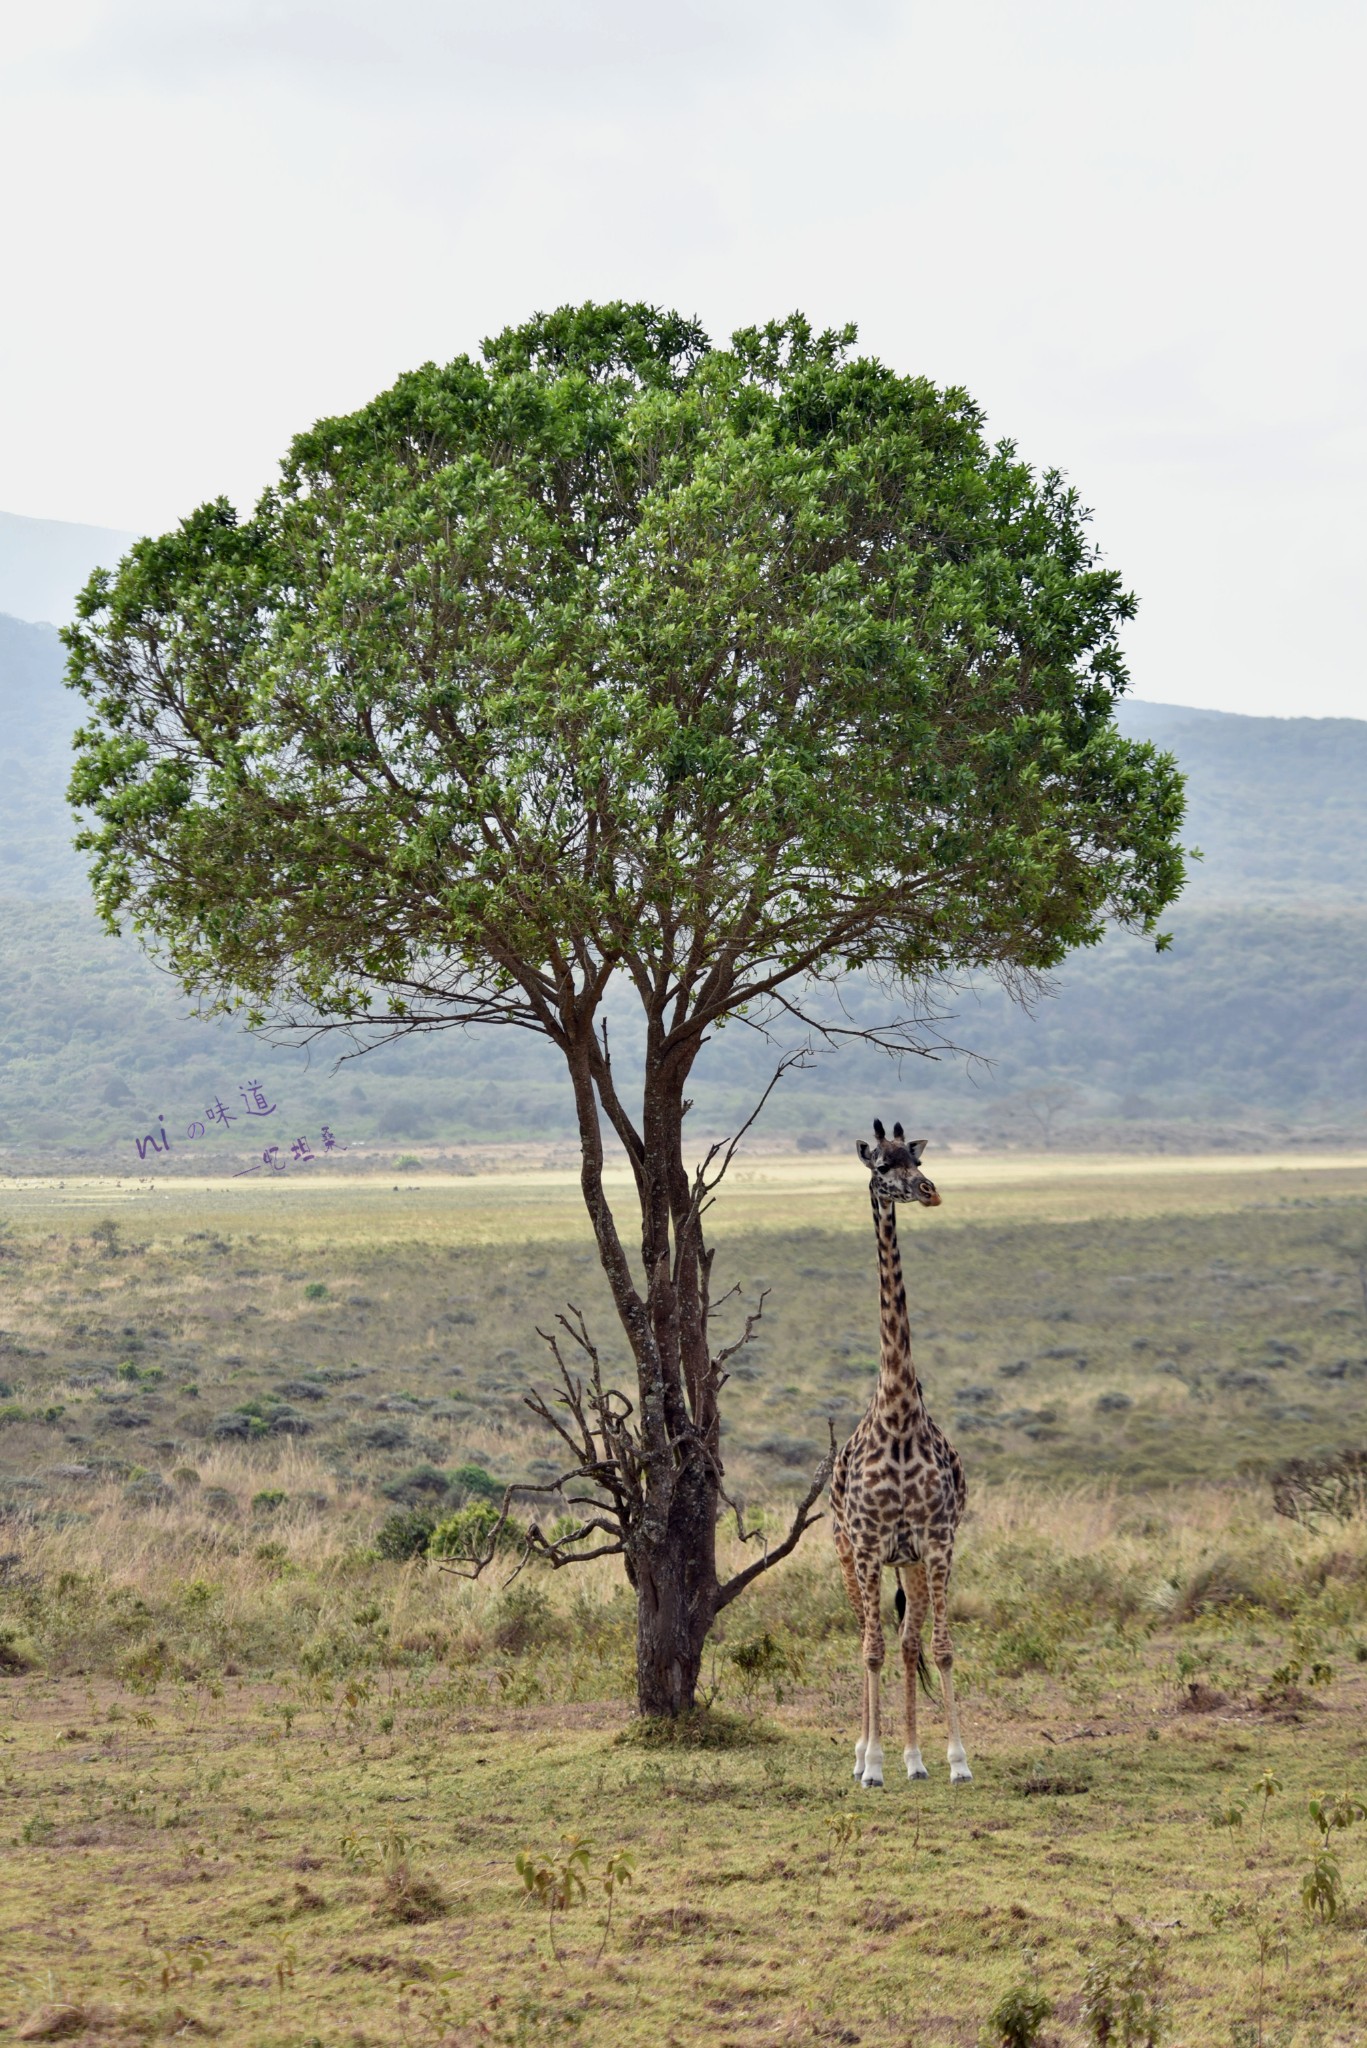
point(467, 1532)
point(472, 1482)
point(523, 1617)
point(406, 1534)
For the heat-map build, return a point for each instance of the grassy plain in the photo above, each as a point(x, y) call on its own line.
point(237, 1745)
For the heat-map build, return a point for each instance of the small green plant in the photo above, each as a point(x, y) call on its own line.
point(167, 1967)
point(1266, 1789)
point(316, 1291)
point(844, 1832)
point(268, 1500)
point(1332, 1812)
point(763, 1661)
point(555, 1882)
point(1322, 1887)
point(1122, 1995)
point(1017, 2020)
point(1229, 1815)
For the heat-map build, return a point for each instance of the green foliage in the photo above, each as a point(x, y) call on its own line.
point(1017, 2020)
point(620, 590)
point(556, 1880)
point(1123, 2003)
point(764, 1660)
point(406, 1534)
point(1322, 1887)
point(1227, 1814)
point(704, 1728)
point(1333, 1812)
point(469, 1532)
point(474, 1483)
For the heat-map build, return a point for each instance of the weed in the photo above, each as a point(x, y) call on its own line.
point(1267, 1788)
point(1122, 1995)
point(555, 1881)
point(1017, 2020)
point(763, 1660)
point(1322, 1887)
point(1228, 1815)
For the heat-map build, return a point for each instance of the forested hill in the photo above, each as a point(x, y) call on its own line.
point(1253, 1026)
point(1278, 806)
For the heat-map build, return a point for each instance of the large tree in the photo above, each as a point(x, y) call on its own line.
point(612, 657)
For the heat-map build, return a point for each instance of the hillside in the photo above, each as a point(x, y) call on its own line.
point(1253, 1026)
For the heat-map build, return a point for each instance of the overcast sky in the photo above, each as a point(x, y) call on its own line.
point(1132, 228)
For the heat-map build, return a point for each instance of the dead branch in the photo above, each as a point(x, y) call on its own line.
point(801, 1522)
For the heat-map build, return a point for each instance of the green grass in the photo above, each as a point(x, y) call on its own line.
point(204, 1824)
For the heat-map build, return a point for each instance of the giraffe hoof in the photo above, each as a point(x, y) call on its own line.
point(915, 1763)
point(871, 1783)
point(960, 1775)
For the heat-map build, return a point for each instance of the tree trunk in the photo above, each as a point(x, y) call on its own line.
point(671, 1543)
point(676, 1595)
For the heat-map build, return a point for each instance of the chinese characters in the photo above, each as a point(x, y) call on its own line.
point(255, 1103)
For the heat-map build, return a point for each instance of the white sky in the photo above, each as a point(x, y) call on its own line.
point(1128, 226)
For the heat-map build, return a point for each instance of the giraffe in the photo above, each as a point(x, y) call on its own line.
point(897, 1490)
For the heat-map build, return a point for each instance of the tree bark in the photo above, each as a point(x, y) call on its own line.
point(671, 1549)
point(676, 1599)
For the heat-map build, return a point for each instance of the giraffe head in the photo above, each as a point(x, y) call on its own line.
point(895, 1164)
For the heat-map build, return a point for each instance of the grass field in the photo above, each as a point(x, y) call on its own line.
point(262, 1784)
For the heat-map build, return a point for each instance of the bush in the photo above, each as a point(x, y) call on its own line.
point(1017, 2020)
point(406, 1535)
point(472, 1482)
point(523, 1617)
point(1122, 1995)
point(467, 1532)
point(422, 1481)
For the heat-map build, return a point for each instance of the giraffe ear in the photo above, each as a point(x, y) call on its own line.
point(865, 1151)
point(916, 1148)
point(898, 1132)
point(878, 1131)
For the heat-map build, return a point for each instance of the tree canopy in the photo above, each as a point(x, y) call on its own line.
point(614, 650)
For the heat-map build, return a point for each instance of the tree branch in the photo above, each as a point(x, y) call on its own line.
point(801, 1522)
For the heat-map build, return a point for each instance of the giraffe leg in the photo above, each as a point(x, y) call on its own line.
point(918, 1600)
point(937, 1573)
point(844, 1551)
point(870, 1588)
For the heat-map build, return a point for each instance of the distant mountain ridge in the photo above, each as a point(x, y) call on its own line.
point(1277, 805)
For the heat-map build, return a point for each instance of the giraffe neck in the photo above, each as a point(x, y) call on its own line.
point(898, 1386)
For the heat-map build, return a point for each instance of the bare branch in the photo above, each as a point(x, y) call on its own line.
point(801, 1522)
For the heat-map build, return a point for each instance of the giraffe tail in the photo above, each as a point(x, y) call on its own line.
point(899, 1601)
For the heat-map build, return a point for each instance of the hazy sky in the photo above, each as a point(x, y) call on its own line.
point(1131, 227)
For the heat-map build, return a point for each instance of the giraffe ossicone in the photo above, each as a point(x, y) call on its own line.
point(897, 1490)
